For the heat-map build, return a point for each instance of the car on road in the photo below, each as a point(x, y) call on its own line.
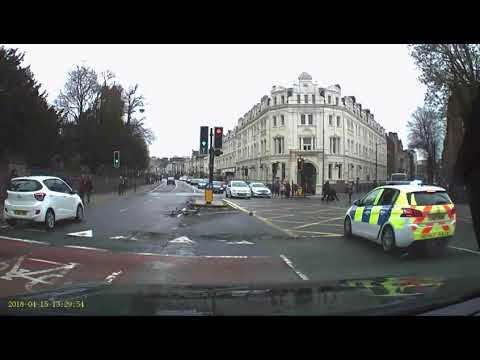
point(218, 187)
point(170, 180)
point(260, 190)
point(202, 184)
point(195, 181)
point(402, 216)
point(238, 188)
point(41, 199)
point(183, 178)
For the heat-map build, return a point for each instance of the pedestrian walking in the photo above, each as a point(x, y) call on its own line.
point(88, 187)
point(350, 191)
point(82, 188)
point(287, 190)
point(282, 189)
point(120, 185)
point(326, 191)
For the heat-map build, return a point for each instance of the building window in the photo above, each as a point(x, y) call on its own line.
point(275, 100)
point(283, 99)
point(279, 145)
point(306, 99)
point(330, 120)
point(307, 143)
point(329, 99)
point(338, 121)
point(302, 119)
point(334, 145)
point(274, 121)
point(283, 171)
point(330, 171)
point(313, 99)
point(310, 119)
point(298, 99)
point(336, 101)
point(339, 170)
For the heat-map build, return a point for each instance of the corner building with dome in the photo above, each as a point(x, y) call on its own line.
point(336, 138)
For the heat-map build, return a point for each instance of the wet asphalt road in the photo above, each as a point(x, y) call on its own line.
point(306, 234)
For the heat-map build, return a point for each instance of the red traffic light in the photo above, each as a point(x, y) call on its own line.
point(219, 131)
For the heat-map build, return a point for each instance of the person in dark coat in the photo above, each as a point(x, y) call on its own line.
point(287, 189)
point(326, 190)
point(88, 187)
point(82, 188)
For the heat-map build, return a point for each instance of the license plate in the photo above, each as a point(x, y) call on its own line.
point(20, 212)
point(436, 216)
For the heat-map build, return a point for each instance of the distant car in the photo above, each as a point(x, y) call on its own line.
point(170, 180)
point(260, 190)
point(398, 216)
point(43, 199)
point(202, 183)
point(218, 187)
point(194, 181)
point(238, 188)
point(183, 178)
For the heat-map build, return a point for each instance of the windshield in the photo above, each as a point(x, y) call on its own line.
point(24, 185)
point(320, 174)
point(422, 198)
point(239, 183)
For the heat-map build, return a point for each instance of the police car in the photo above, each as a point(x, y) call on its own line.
point(397, 216)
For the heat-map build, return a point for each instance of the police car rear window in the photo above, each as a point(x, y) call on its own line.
point(24, 185)
point(422, 198)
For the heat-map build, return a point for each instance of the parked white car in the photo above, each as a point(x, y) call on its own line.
point(260, 190)
point(237, 188)
point(43, 199)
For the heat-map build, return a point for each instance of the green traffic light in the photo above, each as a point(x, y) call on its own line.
point(204, 143)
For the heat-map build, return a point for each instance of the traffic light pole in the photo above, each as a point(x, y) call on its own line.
point(210, 162)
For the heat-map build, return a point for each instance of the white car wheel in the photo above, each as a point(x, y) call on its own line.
point(50, 219)
point(80, 214)
point(388, 239)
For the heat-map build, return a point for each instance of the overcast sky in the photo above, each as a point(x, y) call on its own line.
point(187, 86)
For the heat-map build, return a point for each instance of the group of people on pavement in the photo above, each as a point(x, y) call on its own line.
point(328, 192)
point(284, 189)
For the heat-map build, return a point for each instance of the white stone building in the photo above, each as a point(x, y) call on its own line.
point(334, 136)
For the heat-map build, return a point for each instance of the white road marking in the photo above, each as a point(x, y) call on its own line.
point(87, 233)
point(24, 240)
point(290, 265)
point(46, 261)
point(4, 226)
point(123, 210)
point(182, 240)
point(86, 248)
point(118, 237)
point(463, 249)
point(112, 276)
point(323, 234)
point(243, 242)
point(36, 230)
point(317, 223)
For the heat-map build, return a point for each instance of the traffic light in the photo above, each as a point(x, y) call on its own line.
point(218, 137)
point(116, 159)
point(300, 164)
point(204, 140)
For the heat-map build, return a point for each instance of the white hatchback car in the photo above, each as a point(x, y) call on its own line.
point(44, 199)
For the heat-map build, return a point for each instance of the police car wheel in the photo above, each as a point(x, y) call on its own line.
point(388, 239)
point(347, 228)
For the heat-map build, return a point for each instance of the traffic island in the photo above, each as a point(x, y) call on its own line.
point(213, 204)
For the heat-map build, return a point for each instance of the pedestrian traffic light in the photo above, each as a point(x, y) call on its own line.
point(116, 159)
point(218, 137)
point(300, 164)
point(204, 140)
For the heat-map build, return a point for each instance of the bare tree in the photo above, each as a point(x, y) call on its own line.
point(447, 68)
point(133, 101)
point(425, 133)
point(79, 94)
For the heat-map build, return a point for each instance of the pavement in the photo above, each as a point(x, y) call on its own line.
point(256, 240)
